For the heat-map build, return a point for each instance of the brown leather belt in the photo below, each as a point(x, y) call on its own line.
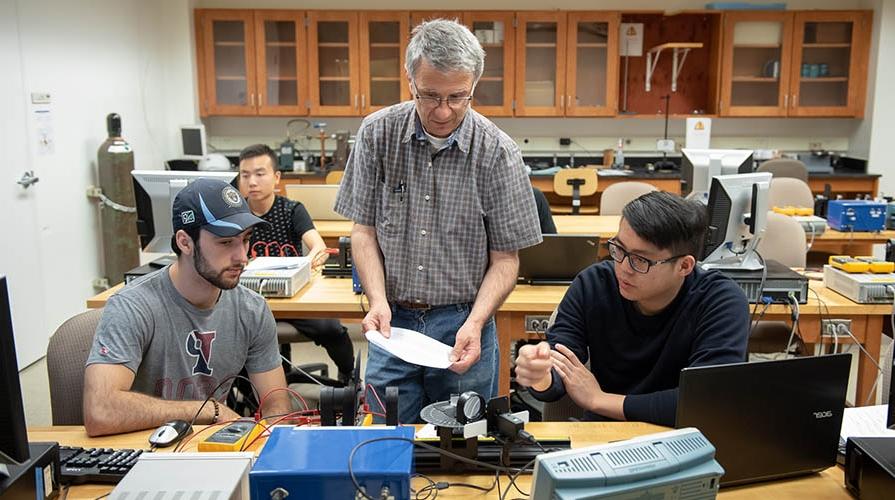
point(413, 305)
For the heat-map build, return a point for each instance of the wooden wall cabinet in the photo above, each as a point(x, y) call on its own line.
point(496, 32)
point(251, 62)
point(811, 63)
point(757, 63)
point(383, 42)
point(592, 64)
point(333, 63)
point(540, 63)
point(830, 56)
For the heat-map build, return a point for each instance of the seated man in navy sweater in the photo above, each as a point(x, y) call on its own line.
point(640, 319)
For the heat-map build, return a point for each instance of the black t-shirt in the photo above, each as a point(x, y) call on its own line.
point(641, 356)
point(289, 220)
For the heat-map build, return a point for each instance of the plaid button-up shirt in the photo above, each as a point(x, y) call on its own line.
point(437, 213)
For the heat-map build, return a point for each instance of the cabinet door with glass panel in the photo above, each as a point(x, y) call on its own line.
point(383, 41)
point(830, 63)
point(333, 63)
point(592, 64)
point(757, 63)
point(282, 55)
point(226, 53)
point(494, 92)
point(540, 63)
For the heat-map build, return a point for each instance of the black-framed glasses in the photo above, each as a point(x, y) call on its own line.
point(432, 102)
point(638, 263)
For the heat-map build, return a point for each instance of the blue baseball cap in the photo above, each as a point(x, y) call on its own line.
point(215, 206)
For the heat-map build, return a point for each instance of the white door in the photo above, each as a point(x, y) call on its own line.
point(20, 252)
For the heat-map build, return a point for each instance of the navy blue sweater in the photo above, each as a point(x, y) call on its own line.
point(641, 356)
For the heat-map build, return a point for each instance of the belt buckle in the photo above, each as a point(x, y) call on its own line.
point(414, 305)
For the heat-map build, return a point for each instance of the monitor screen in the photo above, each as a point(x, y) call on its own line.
point(154, 191)
point(193, 140)
point(738, 209)
point(698, 166)
point(13, 435)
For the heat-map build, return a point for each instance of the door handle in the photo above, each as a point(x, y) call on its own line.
point(28, 178)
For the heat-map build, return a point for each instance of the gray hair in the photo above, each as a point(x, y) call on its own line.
point(447, 45)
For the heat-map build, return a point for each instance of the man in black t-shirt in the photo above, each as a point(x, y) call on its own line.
point(290, 226)
point(640, 319)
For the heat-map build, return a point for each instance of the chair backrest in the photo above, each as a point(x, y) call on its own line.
point(562, 187)
point(334, 177)
point(616, 196)
point(66, 355)
point(785, 167)
point(785, 191)
point(783, 241)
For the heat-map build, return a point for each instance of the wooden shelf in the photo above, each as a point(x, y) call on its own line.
point(676, 45)
point(824, 79)
point(282, 78)
point(230, 77)
point(335, 78)
point(385, 78)
point(491, 79)
point(229, 44)
point(755, 79)
point(540, 45)
point(826, 45)
point(280, 44)
point(383, 45)
point(337, 45)
point(591, 45)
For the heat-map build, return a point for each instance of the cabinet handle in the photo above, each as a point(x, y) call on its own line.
point(562, 102)
point(795, 100)
point(786, 101)
point(363, 101)
point(253, 99)
point(355, 101)
point(260, 99)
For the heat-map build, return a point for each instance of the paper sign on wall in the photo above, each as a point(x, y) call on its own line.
point(630, 38)
point(699, 133)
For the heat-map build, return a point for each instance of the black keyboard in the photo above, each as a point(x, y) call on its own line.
point(95, 465)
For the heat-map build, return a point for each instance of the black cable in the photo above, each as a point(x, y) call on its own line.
point(429, 447)
point(211, 395)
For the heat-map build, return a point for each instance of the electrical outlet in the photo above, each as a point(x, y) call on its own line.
point(536, 324)
point(830, 327)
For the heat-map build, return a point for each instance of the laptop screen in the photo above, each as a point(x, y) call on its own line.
point(768, 419)
point(557, 259)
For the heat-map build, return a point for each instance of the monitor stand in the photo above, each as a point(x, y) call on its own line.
point(746, 262)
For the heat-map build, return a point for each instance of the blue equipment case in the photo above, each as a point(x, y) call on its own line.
point(856, 215)
point(312, 463)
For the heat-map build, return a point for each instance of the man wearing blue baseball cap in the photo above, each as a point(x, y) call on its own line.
point(173, 338)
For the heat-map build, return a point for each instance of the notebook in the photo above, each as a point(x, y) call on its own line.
point(768, 419)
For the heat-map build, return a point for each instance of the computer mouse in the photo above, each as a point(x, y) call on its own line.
point(170, 433)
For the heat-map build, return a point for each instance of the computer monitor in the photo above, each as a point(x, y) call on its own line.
point(738, 211)
point(698, 166)
point(13, 435)
point(154, 191)
point(192, 138)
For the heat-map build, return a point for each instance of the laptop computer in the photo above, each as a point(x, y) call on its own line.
point(557, 259)
point(318, 199)
point(768, 419)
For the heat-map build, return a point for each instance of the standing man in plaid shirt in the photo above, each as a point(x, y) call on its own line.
point(441, 205)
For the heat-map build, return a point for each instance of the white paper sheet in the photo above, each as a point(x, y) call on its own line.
point(413, 347)
point(864, 421)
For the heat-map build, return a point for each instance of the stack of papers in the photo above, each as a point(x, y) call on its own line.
point(864, 421)
point(275, 263)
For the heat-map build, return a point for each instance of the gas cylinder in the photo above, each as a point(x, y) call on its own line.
point(121, 244)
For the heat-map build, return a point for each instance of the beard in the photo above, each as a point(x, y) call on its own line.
point(212, 276)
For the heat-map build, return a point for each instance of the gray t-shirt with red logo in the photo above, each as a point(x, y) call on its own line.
point(178, 351)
